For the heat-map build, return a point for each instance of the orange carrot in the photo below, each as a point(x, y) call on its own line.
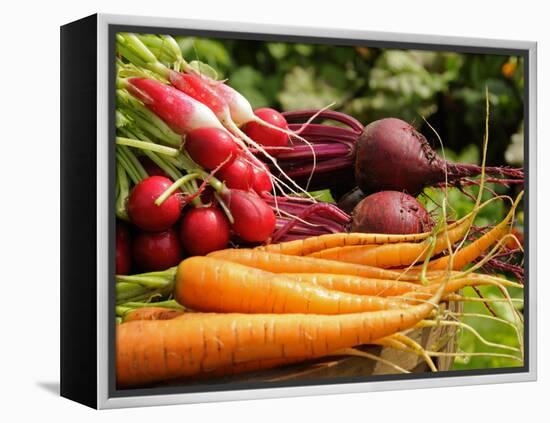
point(303, 247)
point(355, 284)
point(468, 254)
point(208, 284)
point(151, 313)
point(395, 255)
point(156, 350)
point(282, 263)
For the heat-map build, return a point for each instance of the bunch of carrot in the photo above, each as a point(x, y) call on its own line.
point(279, 304)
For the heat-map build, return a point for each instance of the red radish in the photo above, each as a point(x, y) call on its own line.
point(143, 211)
point(267, 136)
point(123, 256)
point(156, 250)
point(209, 147)
point(237, 175)
point(254, 220)
point(390, 212)
point(261, 179)
point(203, 230)
point(393, 155)
point(180, 111)
point(151, 167)
point(197, 86)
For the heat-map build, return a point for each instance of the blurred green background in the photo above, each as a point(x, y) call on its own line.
point(444, 88)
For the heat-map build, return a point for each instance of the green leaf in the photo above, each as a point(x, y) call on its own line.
point(204, 69)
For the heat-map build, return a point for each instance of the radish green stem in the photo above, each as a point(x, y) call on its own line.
point(122, 183)
point(144, 145)
point(140, 170)
point(162, 279)
point(126, 164)
point(224, 208)
point(176, 185)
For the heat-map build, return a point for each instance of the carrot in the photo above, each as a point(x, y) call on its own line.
point(151, 313)
point(207, 284)
point(394, 255)
point(455, 285)
point(303, 247)
point(474, 250)
point(355, 284)
point(151, 351)
point(281, 263)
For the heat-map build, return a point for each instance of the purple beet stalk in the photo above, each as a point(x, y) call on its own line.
point(299, 218)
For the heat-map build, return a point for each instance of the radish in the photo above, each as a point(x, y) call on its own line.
point(143, 211)
point(225, 103)
point(210, 147)
point(390, 212)
point(180, 111)
point(254, 220)
point(203, 230)
point(123, 256)
point(238, 174)
point(261, 179)
point(393, 155)
point(151, 168)
point(267, 136)
point(156, 250)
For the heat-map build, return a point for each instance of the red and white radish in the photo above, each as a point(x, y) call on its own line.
point(123, 255)
point(180, 111)
point(261, 179)
point(254, 220)
point(203, 230)
point(238, 175)
point(210, 147)
point(156, 250)
point(265, 135)
point(142, 210)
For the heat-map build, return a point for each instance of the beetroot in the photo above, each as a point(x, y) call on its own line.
point(143, 211)
point(254, 220)
point(393, 155)
point(156, 250)
point(390, 212)
point(350, 199)
point(204, 230)
point(123, 256)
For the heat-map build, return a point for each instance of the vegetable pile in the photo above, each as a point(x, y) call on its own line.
point(231, 254)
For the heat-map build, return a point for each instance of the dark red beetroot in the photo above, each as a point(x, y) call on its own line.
point(209, 147)
point(350, 199)
point(254, 220)
point(390, 212)
point(156, 250)
point(237, 175)
point(204, 230)
point(393, 155)
point(143, 211)
point(123, 256)
point(261, 179)
point(263, 135)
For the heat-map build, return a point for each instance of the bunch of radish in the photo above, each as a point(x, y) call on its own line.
point(167, 207)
